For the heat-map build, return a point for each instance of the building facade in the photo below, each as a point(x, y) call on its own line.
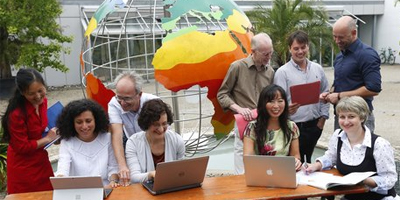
point(379, 26)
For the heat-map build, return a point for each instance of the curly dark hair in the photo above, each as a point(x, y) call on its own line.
point(65, 122)
point(152, 111)
point(267, 95)
point(24, 78)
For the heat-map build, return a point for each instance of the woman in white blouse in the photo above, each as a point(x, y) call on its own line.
point(155, 144)
point(86, 143)
point(353, 148)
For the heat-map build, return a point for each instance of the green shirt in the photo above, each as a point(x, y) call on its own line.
point(275, 141)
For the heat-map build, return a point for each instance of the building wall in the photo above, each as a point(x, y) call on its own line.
point(365, 31)
point(388, 28)
point(387, 33)
point(71, 25)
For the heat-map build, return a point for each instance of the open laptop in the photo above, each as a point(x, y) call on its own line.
point(79, 188)
point(270, 171)
point(177, 175)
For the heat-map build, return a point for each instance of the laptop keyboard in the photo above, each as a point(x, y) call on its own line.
point(149, 184)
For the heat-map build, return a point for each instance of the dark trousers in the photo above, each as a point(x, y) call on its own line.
point(309, 135)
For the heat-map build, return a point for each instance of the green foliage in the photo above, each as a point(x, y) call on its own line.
point(287, 16)
point(30, 35)
point(3, 162)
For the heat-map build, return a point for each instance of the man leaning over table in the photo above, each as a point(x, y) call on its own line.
point(123, 111)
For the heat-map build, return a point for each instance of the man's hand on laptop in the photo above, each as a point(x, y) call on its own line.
point(124, 176)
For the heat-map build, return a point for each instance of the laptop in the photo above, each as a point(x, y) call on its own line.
point(177, 175)
point(79, 188)
point(270, 171)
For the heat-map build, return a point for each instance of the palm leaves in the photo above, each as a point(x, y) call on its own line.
point(286, 16)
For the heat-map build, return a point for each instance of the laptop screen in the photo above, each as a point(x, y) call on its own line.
point(270, 171)
point(178, 175)
point(78, 187)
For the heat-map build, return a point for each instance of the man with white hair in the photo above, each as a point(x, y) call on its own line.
point(242, 86)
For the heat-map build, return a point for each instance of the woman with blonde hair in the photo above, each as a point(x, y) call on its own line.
point(353, 148)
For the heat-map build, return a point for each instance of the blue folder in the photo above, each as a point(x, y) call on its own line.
point(52, 114)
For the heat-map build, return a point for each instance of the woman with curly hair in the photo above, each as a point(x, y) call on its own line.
point(86, 143)
point(157, 143)
point(272, 133)
point(25, 119)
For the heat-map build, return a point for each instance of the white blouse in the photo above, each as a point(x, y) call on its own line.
point(79, 158)
point(383, 154)
point(139, 157)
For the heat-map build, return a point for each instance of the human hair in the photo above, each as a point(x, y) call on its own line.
point(300, 36)
point(351, 23)
point(152, 111)
point(268, 94)
point(261, 38)
point(348, 22)
point(65, 122)
point(354, 104)
point(24, 78)
point(134, 77)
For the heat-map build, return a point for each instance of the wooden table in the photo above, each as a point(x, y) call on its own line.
point(228, 187)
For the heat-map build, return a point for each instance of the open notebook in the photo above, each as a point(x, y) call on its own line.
point(178, 175)
point(326, 181)
point(79, 187)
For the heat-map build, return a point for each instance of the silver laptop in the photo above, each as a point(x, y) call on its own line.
point(270, 171)
point(177, 175)
point(79, 187)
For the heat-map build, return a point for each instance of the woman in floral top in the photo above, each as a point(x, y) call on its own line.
point(272, 133)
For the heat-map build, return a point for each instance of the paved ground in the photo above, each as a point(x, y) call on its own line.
point(387, 108)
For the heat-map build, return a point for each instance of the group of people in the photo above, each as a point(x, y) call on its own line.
point(92, 141)
point(286, 128)
point(125, 144)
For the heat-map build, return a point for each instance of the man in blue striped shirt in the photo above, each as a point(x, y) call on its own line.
point(310, 119)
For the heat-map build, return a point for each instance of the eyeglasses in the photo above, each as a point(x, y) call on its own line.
point(126, 99)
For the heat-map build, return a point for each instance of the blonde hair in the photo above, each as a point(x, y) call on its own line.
point(354, 104)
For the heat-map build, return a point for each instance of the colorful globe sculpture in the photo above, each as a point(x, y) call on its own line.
point(200, 39)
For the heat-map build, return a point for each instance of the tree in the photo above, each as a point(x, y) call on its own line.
point(30, 35)
point(286, 16)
